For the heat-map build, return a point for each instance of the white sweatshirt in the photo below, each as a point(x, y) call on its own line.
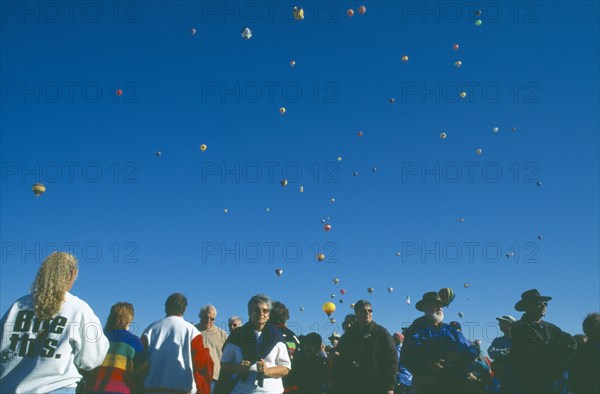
point(42, 356)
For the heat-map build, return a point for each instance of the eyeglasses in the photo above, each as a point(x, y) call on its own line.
point(211, 319)
point(366, 310)
point(542, 303)
point(263, 310)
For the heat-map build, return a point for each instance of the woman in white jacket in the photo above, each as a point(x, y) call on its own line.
point(47, 335)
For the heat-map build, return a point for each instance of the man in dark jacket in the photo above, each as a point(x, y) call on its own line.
point(367, 361)
point(436, 353)
point(540, 349)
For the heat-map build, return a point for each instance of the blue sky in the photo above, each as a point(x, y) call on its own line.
point(145, 226)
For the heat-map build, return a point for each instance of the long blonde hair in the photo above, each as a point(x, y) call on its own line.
point(52, 281)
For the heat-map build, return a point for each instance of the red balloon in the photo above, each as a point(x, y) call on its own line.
point(350, 12)
point(362, 9)
point(455, 47)
point(342, 292)
point(360, 133)
point(119, 92)
point(327, 227)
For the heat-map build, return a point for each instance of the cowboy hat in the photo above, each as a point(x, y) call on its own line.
point(431, 296)
point(530, 296)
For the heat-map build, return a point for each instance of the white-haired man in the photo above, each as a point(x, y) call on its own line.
point(214, 337)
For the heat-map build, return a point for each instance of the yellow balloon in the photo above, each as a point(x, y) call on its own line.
point(463, 94)
point(203, 147)
point(404, 58)
point(38, 189)
point(329, 308)
point(282, 110)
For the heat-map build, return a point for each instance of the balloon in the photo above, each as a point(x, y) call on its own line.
point(539, 183)
point(374, 169)
point(477, 12)
point(460, 314)
point(327, 227)
point(514, 129)
point(370, 290)
point(362, 9)
point(301, 309)
point(404, 58)
point(390, 290)
point(329, 308)
point(407, 300)
point(468, 298)
point(495, 129)
point(539, 237)
point(350, 12)
point(478, 22)
point(246, 33)
point(360, 133)
point(268, 209)
point(298, 13)
point(301, 189)
point(457, 63)
point(225, 210)
point(339, 158)
point(447, 295)
point(332, 200)
point(392, 100)
point(336, 281)
point(332, 320)
point(292, 63)
point(343, 291)
point(158, 153)
point(322, 220)
point(341, 301)
point(193, 32)
point(479, 151)
point(466, 285)
point(455, 47)
point(463, 94)
point(351, 306)
point(38, 189)
point(397, 253)
point(119, 92)
point(203, 147)
point(462, 220)
point(510, 254)
point(443, 136)
point(320, 257)
point(355, 173)
point(284, 182)
point(282, 110)
point(278, 271)
point(332, 295)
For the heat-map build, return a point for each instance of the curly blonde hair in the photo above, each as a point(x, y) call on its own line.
point(52, 281)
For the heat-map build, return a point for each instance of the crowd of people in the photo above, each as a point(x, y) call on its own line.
point(52, 342)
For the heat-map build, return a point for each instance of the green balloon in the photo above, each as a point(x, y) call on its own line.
point(478, 22)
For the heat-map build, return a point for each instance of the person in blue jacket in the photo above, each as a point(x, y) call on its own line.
point(436, 353)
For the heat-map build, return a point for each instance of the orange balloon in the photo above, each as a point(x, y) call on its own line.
point(327, 227)
point(350, 12)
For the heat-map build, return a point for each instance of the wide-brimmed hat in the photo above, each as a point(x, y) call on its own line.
point(507, 319)
point(335, 335)
point(431, 296)
point(529, 296)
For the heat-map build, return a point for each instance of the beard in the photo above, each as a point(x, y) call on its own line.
point(435, 317)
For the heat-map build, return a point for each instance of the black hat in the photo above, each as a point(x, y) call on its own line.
point(430, 296)
point(529, 296)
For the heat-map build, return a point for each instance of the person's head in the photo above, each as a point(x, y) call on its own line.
point(431, 305)
point(364, 312)
point(259, 308)
point(53, 280)
point(477, 345)
point(175, 305)
point(456, 325)
point(591, 327)
point(505, 322)
point(311, 343)
point(349, 321)
point(280, 314)
point(533, 304)
point(398, 338)
point(121, 315)
point(580, 339)
point(208, 315)
point(334, 339)
point(234, 322)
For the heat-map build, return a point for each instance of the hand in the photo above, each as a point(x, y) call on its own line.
point(245, 365)
point(261, 366)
